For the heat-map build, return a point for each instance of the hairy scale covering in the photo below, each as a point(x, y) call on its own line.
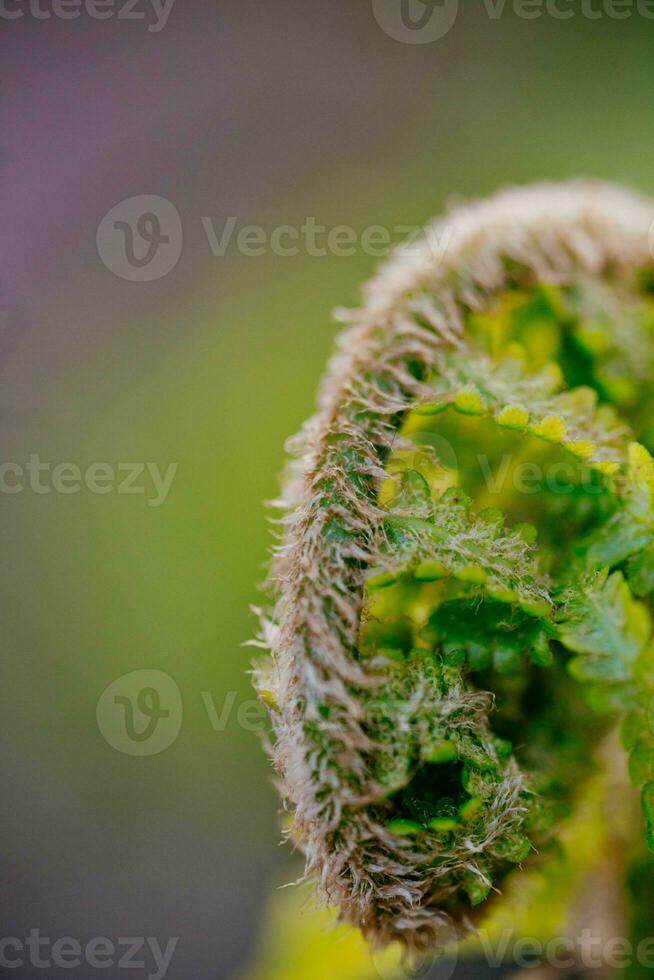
point(464, 580)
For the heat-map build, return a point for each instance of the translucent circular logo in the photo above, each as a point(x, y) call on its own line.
point(393, 964)
point(140, 713)
point(445, 454)
point(416, 21)
point(435, 457)
point(141, 238)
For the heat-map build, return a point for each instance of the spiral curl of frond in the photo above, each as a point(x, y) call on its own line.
point(448, 645)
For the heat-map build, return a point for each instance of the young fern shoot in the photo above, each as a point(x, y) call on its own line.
point(463, 593)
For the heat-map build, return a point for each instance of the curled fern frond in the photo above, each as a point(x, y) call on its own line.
point(463, 591)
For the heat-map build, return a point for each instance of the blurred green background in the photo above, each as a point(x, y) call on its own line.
point(270, 113)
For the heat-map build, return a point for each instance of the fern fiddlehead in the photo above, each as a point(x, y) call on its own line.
point(464, 582)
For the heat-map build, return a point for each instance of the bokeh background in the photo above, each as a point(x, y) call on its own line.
point(268, 113)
